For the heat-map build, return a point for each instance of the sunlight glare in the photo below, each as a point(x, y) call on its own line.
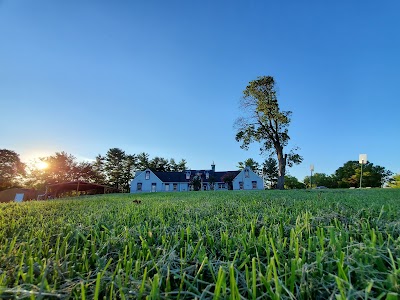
point(41, 165)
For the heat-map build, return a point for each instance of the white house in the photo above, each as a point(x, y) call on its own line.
point(150, 181)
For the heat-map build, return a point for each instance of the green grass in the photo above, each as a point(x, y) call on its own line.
point(338, 244)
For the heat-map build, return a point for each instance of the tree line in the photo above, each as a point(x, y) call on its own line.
point(115, 169)
point(346, 176)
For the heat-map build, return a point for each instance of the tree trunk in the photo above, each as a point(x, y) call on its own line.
point(281, 170)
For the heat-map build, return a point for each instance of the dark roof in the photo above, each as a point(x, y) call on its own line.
point(171, 176)
point(181, 176)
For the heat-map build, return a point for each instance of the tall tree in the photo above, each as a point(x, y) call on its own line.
point(182, 165)
point(119, 167)
point(160, 164)
point(265, 123)
point(11, 169)
point(98, 166)
point(85, 171)
point(129, 169)
point(270, 171)
point(373, 176)
point(177, 167)
point(143, 161)
point(248, 163)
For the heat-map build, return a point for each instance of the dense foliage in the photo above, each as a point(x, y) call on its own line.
point(321, 179)
point(373, 175)
point(11, 168)
point(292, 182)
point(395, 181)
point(61, 167)
point(349, 175)
point(342, 244)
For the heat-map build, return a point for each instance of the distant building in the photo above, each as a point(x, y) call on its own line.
point(75, 188)
point(150, 181)
point(18, 195)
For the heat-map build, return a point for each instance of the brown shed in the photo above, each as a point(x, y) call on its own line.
point(18, 195)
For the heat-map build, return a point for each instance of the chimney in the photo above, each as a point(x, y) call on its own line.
point(213, 167)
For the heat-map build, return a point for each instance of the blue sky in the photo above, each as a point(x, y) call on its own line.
point(166, 77)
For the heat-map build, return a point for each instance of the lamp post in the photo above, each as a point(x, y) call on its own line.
point(312, 170)
point(362, 159)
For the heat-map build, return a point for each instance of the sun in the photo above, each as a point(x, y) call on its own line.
point(40, 165)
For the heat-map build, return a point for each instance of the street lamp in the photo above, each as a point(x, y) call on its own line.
point(312, 170)
point(362, 159)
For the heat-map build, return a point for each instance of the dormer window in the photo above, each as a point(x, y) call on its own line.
point(207, 175)
point(147, 176)
point(187, 175)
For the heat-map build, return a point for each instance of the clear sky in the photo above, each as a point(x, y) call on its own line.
point(166, 77)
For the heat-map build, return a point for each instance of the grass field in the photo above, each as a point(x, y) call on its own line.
point(330, 244)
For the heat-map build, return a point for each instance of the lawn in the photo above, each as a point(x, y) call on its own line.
point(300, 244)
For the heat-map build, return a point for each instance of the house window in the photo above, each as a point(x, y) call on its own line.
point(207, 175)
point(154, 187)
point(147, 175)
point(187, 175)
point(221, 185)
point(241, 185)
point(175, 186)
point(205, 187)
point(246, 173)
point(139, 187)
point(167, 187)
point(254, 184)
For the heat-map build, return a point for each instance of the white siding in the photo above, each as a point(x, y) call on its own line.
point(147, 183)
point(180, 186)
point(183, 187)
point(247, 181)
